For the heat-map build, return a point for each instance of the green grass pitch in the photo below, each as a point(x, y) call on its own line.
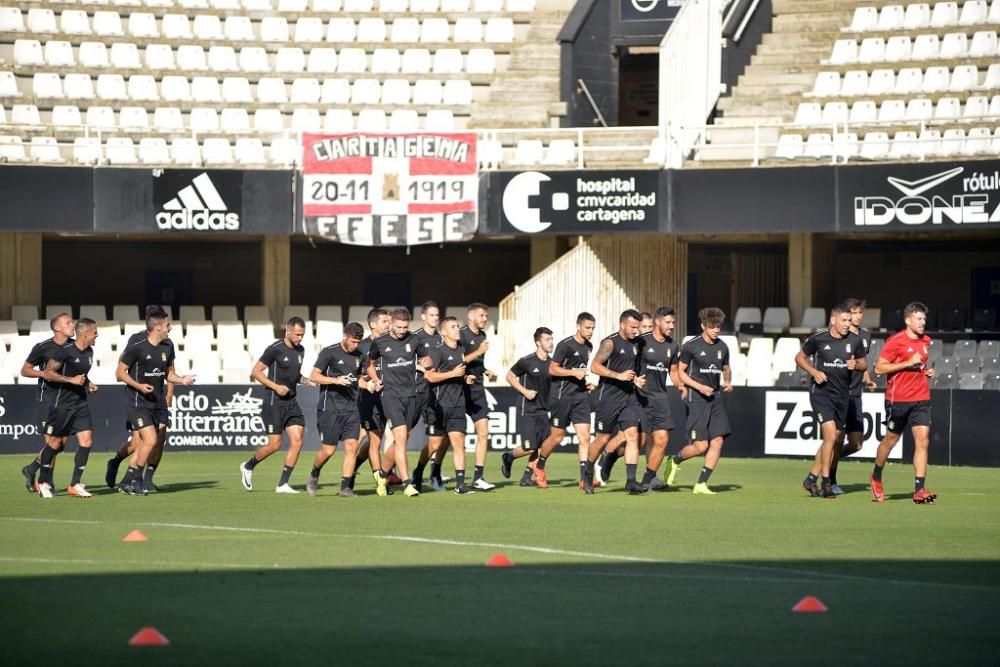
point(669, 578)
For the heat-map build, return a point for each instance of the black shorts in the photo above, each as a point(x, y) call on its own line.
point(66, 420)
point(617, 414)
point(707, 420)
point(566, 411)
point(446, 419)
point(141, 416)
point(336, 427)
point(900, 415)
point(423, 402)
point(829, 408)
point(534, 428)
point(655, 414)
point(855, 415)
point(401, 411)
point(475, 402)
point(370, 412)
point(42, 414)
point(281, 414)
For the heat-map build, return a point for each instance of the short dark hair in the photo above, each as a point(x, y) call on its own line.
point(401, 314)
point(711, 317)
point(839, 309)
point(630, 314)
point(852, 303)
point(448, 318)
point(665, 311)
point(354, 330)
point(475, 305)
point(585, 317)
point(541, 331)
point(430, 304)
point(155, 309)
point(914, 307)
point(59, 316)
point(84, 324)
point(295, 322)
point(374, 314)
point(645, 315)
point(154, 320)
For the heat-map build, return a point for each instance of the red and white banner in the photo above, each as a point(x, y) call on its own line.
point(390, 189)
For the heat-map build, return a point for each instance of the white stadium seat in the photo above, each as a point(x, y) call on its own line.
point(340, 30)
point(234, 120)
point(205, 89)
point(11, 20)
point(208, 27)
point(239, 29)
point(203, 119)
point(307, 120)
point(352, 61)
point(872, 50)
point(174, 88)
point(290, 59)
point(789, 147)
point(404, 120)
point(457, 92)
point(142, 25)
point(159, 57)
point(926, 47)
point(984, 44)
point(133, 118)
point(250, 150)
point(468, 29)
point(142, 87)
point(125, 55)
point(338, 120)
point(94, 55)
point(481, 61)
point(439, 120)
point(366, 91)
point(917, 16)
point(499, 30)
point(271, 91)
point(372, 120)
point(274, 29)
point(191, 57)
point(948, 108)
point(47, 85)
point(268, 120)
point(416, 61)
point(855, 83)
point(111, 87)
point(305, 90)
point(954, 45)
point(336, 91)
point(371, 30)
point(176, 26)
point(236, 90)
point(185, 151)
point(25, 114)
point(153, 150)
point(434, 31)
point(107, 24)
point(217, 150)
point(100, 117)
point(827, 84)
point(120, 150)
point(42, 20)
point(898, 48)
point(945, 14)
point(321, 60)
point(66, 116)
point(28, 53)
point(819, 146)
point(284, 151)
point(405, 30)
point(12, 149)
point(222, 59)
point(395, 91)
point(385, 61)
point(448, 61)
point(935, 80)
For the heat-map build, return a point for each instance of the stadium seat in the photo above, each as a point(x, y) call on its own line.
point(952, 319)
point(974, 12)
point(341, 30)
point(808, 113)
point(111, 87)
point(174, 88)
point(434, 31)
point(404, 120)
point(929, 143)
point(142, 87)
point(416, 61)
point(372, 120)
point(25, 114)
point(100, 117)
point(439, 120)
point(395, 92)
point(991, 381)
point(216, 150)
point(203, 119)
point(427, 92)
point(892, 111)
point(528, 152)
point(834, 113)
point(120, 150)
point(499, 30)
point(28, 53)
point(827, 84)
point(222, 59)
point(845, 52)
point(45, 149)
point(964, 78)
point(234, 120)
point(855, 83)
point(87, 150)
point(271, 90)
point(746, 315)
point(468, 29)
point(159, 57)
point(366, 91)
point(560, 152)
point(185, 151)
point(191, 57)
point(881, 82)
point(47, 86)
point(133, 117)
point(789, 147)
point(336, 91)
point(239, 29)
point(948, 108)
point(970, 381)
point(371, 29)
point(965, 347)
point(936, 80)
point(984, 319)
point(142, 25)
point(11, 20)
point(206, 89)
point(457, 92)
point(107, 24)
point(776, 320)
point(908, 81)
point(66, 116)
point(307, 120)
point(946, 381)
point(898, 49)
point(944, 14)
point(176, 26)
point(385, 61)
point(284, 151)
point(153, 150)
point(966, 364)
point(872, 50)
point(926, 47)
point(305, 90)
point(93, 55)
point(917, 16)
point(990, 364)
point(976, 106)
point(818, 146)
point(249, 150)
point(813, 319)
point(208, 27)
point(984, 44)
point(953, 141)
point(919, 110)
point(42, 20)
point(448, 61)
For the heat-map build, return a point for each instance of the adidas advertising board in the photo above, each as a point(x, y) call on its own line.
point(791, 428)
point(574, 202)
point(191, 200)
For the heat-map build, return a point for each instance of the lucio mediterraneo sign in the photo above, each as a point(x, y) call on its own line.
point(575, 202)
point(922, 196)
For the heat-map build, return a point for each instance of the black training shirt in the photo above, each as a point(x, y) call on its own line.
point(334, 362)
point(655, 360)
point(148, 364)
point(533, 373)
point(705, 362)
point(284, 366)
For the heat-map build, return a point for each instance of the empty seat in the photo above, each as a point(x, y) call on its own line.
point(448, 61)
point(12, 149)
point(203, 120)
point(309, 30)
point(239, 29)
point(970, 381)
point(457, 92)
point(834, 113)
point(357, 6)
point(917, 16)
point(268, 120)
point(94, 55)
point(176, 26)
point(284, 151)
point(120, 150)
point(341, 29)
point(789, 147)
point(481, 61)
point(236, 90)
point(66, 116)
point(944, 14)
point(385, 61)
point(890, 18)
point(864, 19)
point(133, 117)
point(434, 30)
point(404, 120)
point(305, 90)
point(254, 59)
point(306, 120)
point(47, 85)
point(234, 120)
point(185, 151)
point(338, 120)
point(892, 111)
point(963, 78)
point(881, 82)
point(952, 141)
point(271, 91)
point(205, 89)
point(290, 59)
point(875, 146)
point(322, 60)
point(427, 92)
point(11, 20)
point(405, 30)
point(191, 57)
point(908, 81)
point(954, 45)
point(855, 83)
point(974, 12)
point(352, 60)
point(274, 29)
point(818, 146)
point(142, 25)
point(208, 27)
point(416, 61)
point(992, 79)
point(468, 29)
point(217, 150)
point(222, 59)
point(153, 150)
point(919, 109)
point(872, 50)
point(925, 47)
point(371, 30)
point(904, 145)
point(336, 91)
point(111, 87)
point(930, 142)
point(984, 44)
point(948, 108)
point(175, 88)
point(250, 150)
point(87, 150)
point(142, 87)
point(41, 20)
point(28, 53)
point(439, 120)
point(159, 57)
point(936, 80)
point(978, 141)
point(107, 24)
point(808, 113)
point(845, 52)
point(366, 91)
point(395, 91)
point(372, 120)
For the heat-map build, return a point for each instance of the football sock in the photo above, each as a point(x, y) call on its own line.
point(541, 461)
point(252, 463)
point(346, 482)
point(150, 471)
point(460, 478)
point(630, 471)
point(79, 463)
point(314, 473)
point(583, 469)
point(478, 474)
point(877, 473)
point(286, 472)
point(435, 470)
point(648, 476)
point(706, 472)
point(918, 483)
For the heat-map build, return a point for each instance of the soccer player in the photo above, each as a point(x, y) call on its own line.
point(370, 403)
point(34, 367)
point(658, 355)
point(529, 376)
point(428, 338)
point(69, 413)
point(145, 366)
point(336, 371)
point(617, 406)
point(907, 399)
point(447, 374)
point(279, 369)
point(475, 345)
point(568, 397)
point(704, 368)
point(860, 380)
point(835, 354)
point(128, 449)
point(397, 373)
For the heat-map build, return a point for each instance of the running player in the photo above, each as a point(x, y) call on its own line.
point(907, 399)
point(475, 345)
point(34, 367)
point(658, 357)
point(370, 404)
point(860, 380)
point(145, 367)
point(617, 407)
point(830, 357)
point(568, 397)
point(428, 338)
point(336, 372)
point(704, 369)
point(529, 376)
point(397, 373)
point(128, 449)
point(69, 413)
point(279, 369)
point(447, 374)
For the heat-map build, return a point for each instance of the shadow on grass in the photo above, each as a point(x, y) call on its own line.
point(652, 614)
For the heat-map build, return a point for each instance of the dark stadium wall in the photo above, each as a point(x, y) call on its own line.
point(737, 53)
point(587, 54)
point(134, 270)
point(451, 274)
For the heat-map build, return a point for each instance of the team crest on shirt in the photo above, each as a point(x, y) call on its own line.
point(163, 357)
point(819, 417)
point(49, 429)
point(138, 422)
point(848, 346)
point(555, 421)
point(694, 435)
point(408, 347)
point(270, 428)
point(300, 358)
point(719, 353)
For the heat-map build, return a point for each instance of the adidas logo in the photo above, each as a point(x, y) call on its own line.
point(576, 354)
point(198, 207)
point(340, 362)
point(148, 357)
point(826, 347)
point(285, 359)
point(534, 370)
point(702, 354)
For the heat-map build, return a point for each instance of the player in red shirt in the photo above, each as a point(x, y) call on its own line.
point(907, 399)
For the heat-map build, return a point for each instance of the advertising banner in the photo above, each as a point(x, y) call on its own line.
point(574, 202)
point(791, 429)
point(390, 189)
point(648, 10)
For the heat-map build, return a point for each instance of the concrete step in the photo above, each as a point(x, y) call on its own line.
point(769, 72)
point(820, 21)
point(791, 57)
point(799, 39)
point(752, 91)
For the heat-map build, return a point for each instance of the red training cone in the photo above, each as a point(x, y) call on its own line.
point(809, 605)
point(499, 560)
point(135, 536)
point(148, 636)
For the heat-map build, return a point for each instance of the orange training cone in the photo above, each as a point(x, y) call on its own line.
point(809, 605)
point(135, 536)
point(148, 636)
point(499, 560)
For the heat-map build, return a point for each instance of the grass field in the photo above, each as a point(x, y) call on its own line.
point(241, 578)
